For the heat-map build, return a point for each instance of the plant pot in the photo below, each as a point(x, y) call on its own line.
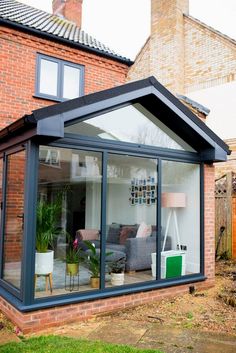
point(117, 279)
point(72, 269)
point(44, 262)
point(95, 282)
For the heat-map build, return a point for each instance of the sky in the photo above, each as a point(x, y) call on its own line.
point(128, 22)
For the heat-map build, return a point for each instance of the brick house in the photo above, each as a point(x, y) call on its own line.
point(130, 167)
point(186, 55)
point(34, 42)
point(183, 53)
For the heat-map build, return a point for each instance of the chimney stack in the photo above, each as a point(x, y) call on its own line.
point(167, 42)
point(69, 9)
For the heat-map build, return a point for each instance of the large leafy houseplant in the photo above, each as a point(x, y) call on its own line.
point(48, 214)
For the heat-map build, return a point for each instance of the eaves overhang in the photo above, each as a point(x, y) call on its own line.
point(50, 121)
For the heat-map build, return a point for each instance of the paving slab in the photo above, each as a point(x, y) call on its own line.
point(119, 332)
point(181, 341)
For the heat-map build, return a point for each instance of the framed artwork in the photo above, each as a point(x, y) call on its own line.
point(143, 191)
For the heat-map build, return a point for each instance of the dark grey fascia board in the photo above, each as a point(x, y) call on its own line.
point(187, 112)
point(211, 155)
point(184, 117)
point(52, 126)
point(106, 104)
point(53, 37)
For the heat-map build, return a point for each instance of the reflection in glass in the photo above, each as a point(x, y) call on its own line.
point(180, 219)
point(69, 179)
point(14, 218)
point(133, 124)
point(71, 82)
point(131, 219)
point(48, 77)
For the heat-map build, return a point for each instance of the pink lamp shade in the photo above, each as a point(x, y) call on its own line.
point(173, 199)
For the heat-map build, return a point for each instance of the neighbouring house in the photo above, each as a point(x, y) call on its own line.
point(46, 58)
point(134, 167)
point(186, 55)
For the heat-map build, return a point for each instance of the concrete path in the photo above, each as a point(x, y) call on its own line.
point(141, 334)
point(150, 335)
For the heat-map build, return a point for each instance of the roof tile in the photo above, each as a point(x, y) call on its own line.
point(59, 27)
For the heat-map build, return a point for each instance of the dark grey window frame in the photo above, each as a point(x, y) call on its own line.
point(60, 77)
point(126, 289)
point(17, 292)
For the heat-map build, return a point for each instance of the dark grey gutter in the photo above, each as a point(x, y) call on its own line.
point(25, 121)
point(50, 36)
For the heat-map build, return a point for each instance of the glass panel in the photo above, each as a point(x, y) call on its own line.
point(48, 77)
point(133, 124)
point(131, 219)
point(71, 82)
point(68, 215)
point(180, 253)
point(14, 218)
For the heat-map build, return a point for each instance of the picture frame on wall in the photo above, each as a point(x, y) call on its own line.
point(143, 191)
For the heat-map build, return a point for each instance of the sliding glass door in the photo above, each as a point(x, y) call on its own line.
point(131, 213)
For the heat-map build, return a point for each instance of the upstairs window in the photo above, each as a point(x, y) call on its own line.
point(58, 79)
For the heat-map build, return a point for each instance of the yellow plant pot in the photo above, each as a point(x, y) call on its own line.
point(72, 269)
point(95, 282)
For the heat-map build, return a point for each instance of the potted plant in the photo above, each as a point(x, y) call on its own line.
point(47, 220)
point(74, 256)
point(117, 269)
point(93, 261)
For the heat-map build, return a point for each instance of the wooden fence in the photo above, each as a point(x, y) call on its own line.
point(225, 213)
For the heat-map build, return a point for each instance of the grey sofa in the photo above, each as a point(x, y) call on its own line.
point(137, 250)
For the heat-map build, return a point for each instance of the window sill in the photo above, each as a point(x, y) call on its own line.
point(48, 98)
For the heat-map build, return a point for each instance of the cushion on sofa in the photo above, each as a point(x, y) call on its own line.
point(144, 230)
point(87, 234)
point(127, 232)
point(113, 234)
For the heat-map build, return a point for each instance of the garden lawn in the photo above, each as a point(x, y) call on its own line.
point(52, 344)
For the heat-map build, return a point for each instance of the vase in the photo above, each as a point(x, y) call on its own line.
point(117, 279)
point(44, 262)
point(72, 269)
point(95, 282)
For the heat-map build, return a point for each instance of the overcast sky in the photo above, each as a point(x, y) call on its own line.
point(124, 25)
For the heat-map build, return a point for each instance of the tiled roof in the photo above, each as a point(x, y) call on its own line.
point(31, 18)
point(194, 104)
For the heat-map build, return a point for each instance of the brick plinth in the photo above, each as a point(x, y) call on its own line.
point(42, 319)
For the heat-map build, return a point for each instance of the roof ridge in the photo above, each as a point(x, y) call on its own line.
point(225, 36)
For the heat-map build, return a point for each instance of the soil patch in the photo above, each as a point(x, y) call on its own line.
point(209, 310)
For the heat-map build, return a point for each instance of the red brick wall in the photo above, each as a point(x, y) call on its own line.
point(18, 67)
point(14, 207)
point(209, 220)
point(42, 319)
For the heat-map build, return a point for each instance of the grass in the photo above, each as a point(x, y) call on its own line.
point(52, 344)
